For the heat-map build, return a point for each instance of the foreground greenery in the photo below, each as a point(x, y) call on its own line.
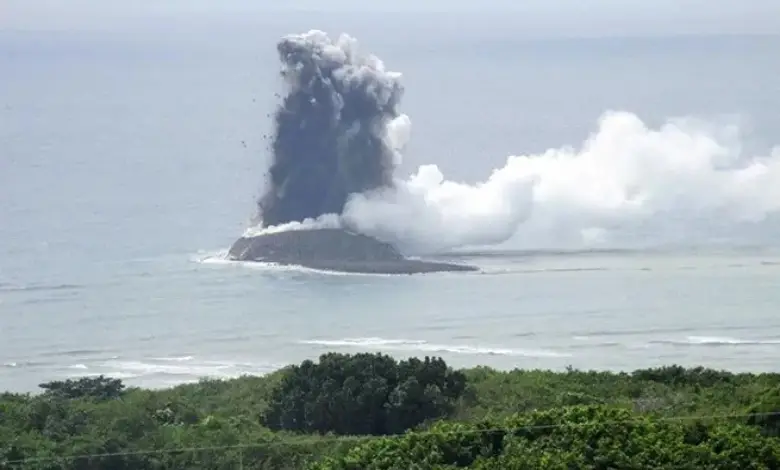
point(369, 411)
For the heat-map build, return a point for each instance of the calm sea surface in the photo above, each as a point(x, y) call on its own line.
point(128, 164)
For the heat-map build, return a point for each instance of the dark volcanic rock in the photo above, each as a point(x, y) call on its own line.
point(333, 250)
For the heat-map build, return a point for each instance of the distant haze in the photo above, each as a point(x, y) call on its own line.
point(531, 17)
point(133, 141)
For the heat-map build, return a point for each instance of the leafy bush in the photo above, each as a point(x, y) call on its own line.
point(678, 375)
point(765, 413)
point(581, 437)
point(363, 394)
point(99, 388)
point(522, 419)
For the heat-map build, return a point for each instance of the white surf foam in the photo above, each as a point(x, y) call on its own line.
point(174, 359)
point(717, 341)
point(183, 368)
point(219, 258)
point(363, 342)
point(112, 374)
point(211, 257)
point(139, 368)
point(410, 345)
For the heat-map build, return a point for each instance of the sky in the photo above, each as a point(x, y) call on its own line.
point(536, 17)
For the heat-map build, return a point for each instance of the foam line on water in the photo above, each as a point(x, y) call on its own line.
point(168, 369)
point(8, 287)
point(219, 258)
point(716, 341)
point(174, 359)
point(424, 346)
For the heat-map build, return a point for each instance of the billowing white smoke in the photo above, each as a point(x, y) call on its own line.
point(626, 183)
point(326, 221)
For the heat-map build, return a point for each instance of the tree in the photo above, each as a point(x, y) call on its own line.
point(582, 437)
point(363, 394)
point(765, 413)
point(99, 388)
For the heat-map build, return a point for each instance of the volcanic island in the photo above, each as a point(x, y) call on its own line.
point(334, 250)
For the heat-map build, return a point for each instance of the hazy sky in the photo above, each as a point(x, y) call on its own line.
point(544, 17)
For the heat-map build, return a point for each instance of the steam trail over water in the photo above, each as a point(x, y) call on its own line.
point(339, 136)
point(626, 185)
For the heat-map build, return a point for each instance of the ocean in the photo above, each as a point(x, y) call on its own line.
point(130, 162)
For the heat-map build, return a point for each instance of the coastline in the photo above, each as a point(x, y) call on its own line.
point(216, 423)
point(335, 250)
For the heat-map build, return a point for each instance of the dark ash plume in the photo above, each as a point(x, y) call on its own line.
point(329, 139)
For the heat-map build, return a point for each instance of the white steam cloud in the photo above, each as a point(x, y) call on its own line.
point(626, 183)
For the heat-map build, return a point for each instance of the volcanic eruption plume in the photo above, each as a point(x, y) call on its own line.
point(330, 137)
point(338, 137)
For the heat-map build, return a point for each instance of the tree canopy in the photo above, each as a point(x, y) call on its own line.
point(363, 394)
point(369, 411)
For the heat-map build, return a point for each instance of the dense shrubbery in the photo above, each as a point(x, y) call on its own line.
point(363, 394)
point(538, 419)
point(99, 388)
point(580, 437)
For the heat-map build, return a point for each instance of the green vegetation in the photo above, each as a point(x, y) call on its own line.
point(363, 394)
point(369, 411)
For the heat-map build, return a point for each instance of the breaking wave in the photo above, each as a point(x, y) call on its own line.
point(717, 341)
point(409, 345)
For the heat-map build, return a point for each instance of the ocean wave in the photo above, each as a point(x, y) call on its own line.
point(174, 359)
point(112, 374)
point(499, 270)
point(24, 364)
point(219, 258)
point(716, 341)
point(75, 353)
point(410, 345)
point(372, 341)
point(586, 342)
point(7, 287)
point(185, 369)
point(211, 257)
point(583, 335)
point(513, 268)
point(140, 369)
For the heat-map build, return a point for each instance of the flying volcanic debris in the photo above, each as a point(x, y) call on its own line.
point(337, 142)
point(330, 130)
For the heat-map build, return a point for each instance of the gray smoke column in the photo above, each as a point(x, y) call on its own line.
point(335, 148)
point(330, 130)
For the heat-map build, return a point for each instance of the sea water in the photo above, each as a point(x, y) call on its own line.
point(129, 164)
